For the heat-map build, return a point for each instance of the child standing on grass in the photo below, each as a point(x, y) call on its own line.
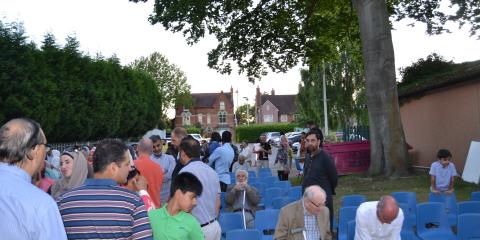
point(443, 173)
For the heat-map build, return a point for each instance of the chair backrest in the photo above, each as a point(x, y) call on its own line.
point(230, 221)
point(233, 178)
point(264, 172)
point(475, 196)
point(467, 226)
point(251, 174)
point(351, 230)
point(272, 193)
point(295, 192)
point(431, 212)
point(266, 221)
point(279, 202)
point(270, 181)
point(283, 184)
point(222, 201)
point(468, 207)
point(353, 200)
point(409, 198)
point(449, 200)
point(252, 179)
point(407, 222)
point(250, 234)
point(345, 215)
point(260, 186)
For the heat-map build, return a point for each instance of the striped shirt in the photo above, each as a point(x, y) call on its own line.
point(100, 209)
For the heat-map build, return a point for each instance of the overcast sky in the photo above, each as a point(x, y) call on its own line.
point(121, 27)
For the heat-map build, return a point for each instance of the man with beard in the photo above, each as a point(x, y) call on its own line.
point(177, 135)
point(319, 168)
point(167, 163)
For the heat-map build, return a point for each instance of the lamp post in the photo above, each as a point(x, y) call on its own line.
point(248, 106)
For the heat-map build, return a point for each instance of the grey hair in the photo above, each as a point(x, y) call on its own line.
point(309, 193)
point(179, 132)
point(145, 145)
point(15, 144)
point(241, 170)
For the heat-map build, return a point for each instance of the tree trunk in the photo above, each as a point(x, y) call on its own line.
point(389, 156)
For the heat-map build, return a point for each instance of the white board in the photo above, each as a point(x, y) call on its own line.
point(471, 172)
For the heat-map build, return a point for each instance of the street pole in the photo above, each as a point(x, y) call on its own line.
point(235, 113)
point(248, 106)
point(325, 101)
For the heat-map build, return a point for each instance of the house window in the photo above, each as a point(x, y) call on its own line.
point(283, 118)
point(295, 117)
point(222, 117)
point(200, 118)
point(208, 118)
point(186, 118)
point(268, 107)
point(268, 118)
point(222, 106)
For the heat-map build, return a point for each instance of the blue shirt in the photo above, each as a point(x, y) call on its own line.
point(100, 209)
point(26, 212)
point(167, 163)
point(205, 210)
point(222, 157)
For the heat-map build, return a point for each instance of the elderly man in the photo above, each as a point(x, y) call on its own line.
point(208, 204)
point(26, 211)
point(379, 220)
point(167, 163)
point(150, 170)
point(307, 218)
point(243, 198)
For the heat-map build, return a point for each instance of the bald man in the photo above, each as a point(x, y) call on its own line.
point(381, 219)
point(307, 218)
point(152, 171)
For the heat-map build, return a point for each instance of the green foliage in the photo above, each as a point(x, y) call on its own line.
point(170, 81)
point(252, 132)
point(193, 130)
point(73, 96)
point(243, 111)
point(434, 64)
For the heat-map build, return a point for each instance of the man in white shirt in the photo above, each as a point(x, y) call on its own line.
point(247, 152)
point(381, 219)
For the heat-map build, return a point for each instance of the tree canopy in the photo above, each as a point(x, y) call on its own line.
point(433, 64)
point(73, 96)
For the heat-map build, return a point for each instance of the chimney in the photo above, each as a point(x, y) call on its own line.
point(231, 90)
point(273, 92)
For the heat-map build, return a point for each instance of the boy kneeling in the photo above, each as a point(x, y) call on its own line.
point(173, 220)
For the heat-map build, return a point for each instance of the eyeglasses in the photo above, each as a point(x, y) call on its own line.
point(319, 205)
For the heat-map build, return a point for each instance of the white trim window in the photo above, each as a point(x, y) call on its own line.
point(222, 106)
point(209, 119)
point(186, 118)
point(200, 118)
point(222, 117)
point(268, 118)
point(284, 118)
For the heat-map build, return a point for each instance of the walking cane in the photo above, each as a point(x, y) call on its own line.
point(243, 210)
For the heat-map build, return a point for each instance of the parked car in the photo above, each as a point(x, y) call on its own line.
point(197, 137)
point(294, 139)
point(272, 137)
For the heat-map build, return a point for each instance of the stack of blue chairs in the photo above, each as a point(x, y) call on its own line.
point(432, 222)
point(353, 200)
point(407, 232)
point(230, 221)
point(351, 230)
point(450, 205)
point(295, 192)
point(251, 174)
point(280, 202)
point(264, 172)
point(250, 234)
point(270, 194)
point(468, 207)
point(410, 199)
point(283, 184)
point(468, 226)
point(269, 181)
point(346, 214)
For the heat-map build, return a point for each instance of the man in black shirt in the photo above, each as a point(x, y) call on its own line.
point(319, 168)
point(263, 151)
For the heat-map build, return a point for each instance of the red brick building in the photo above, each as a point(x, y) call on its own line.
point(274, 108)
point(210, 111)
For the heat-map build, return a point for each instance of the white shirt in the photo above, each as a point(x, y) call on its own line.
point(248, 154)
point(368, 227)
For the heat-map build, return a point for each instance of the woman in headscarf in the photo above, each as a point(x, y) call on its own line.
point(284, 159)
point(74, 168)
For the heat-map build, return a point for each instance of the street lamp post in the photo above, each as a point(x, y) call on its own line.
point(248, 106)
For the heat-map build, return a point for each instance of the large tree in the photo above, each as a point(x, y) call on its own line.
point(245, 114)
point(277, 34)
point(170, 79)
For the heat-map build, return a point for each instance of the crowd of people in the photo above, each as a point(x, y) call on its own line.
point(151, 191)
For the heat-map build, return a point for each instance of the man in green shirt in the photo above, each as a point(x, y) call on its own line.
point(173, 221)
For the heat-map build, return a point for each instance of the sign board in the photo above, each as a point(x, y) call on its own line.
point(471, 171)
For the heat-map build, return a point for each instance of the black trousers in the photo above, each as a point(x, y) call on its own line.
point(282, 175)
point(223, 187)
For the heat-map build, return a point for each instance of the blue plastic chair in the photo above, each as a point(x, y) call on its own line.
point(432, 222)
point(283, 184)
point(279, 202)
point(233, 178)
point(468, 207)
point(351, 230)
point(250, 234)
point(222, 202)
point(467, 227)
point(270, 194)
point(450, 203)
point(270, 181)
point(407, 232)
point(295, 192)
point(230, 221)
point(252, 179)
point(264, 172)
point(475, 196)
point(252, 174)
point(353, 200)
point(346, 214)
point(410, 199)
point(266, 221)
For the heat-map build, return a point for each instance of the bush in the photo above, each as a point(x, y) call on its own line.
point(193, 130)
point(252, 132)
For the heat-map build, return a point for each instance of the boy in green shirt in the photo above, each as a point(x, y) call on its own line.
point(173, 221)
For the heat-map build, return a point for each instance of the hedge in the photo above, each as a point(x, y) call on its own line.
point(252, 132)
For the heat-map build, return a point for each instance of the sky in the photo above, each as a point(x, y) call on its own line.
point(121, 27)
